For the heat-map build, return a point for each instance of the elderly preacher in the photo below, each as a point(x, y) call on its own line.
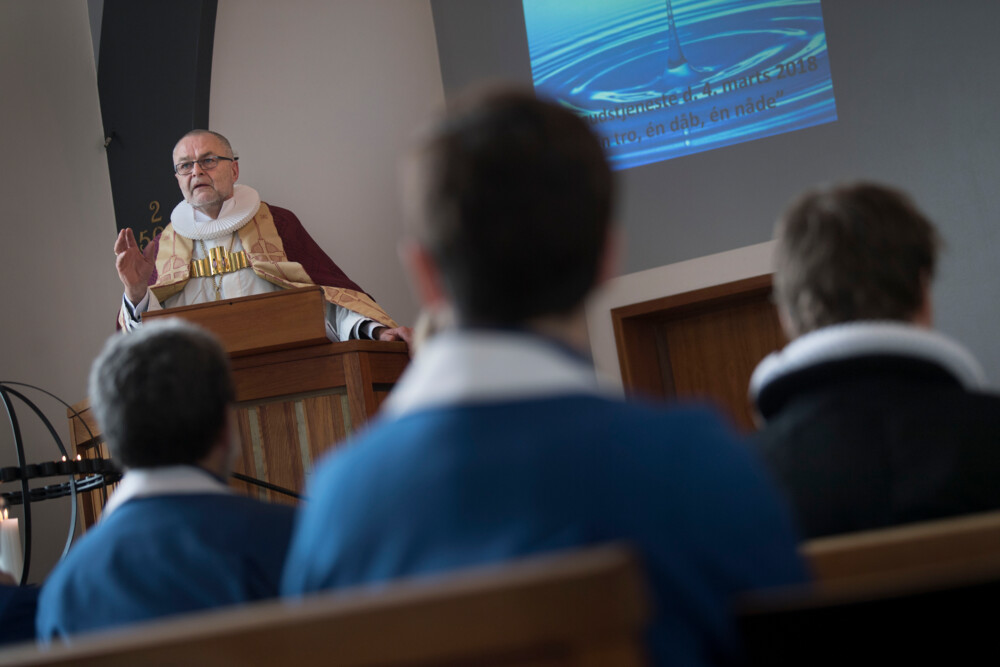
point(224, 242)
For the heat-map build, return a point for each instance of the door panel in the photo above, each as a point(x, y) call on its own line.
point(700, 344)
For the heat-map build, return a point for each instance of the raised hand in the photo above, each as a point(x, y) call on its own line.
point(134, 267)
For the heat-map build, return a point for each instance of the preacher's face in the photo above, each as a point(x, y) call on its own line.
point(205, 190)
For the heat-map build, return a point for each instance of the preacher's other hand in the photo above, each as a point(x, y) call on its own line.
point(399, 333)
point(134, 267)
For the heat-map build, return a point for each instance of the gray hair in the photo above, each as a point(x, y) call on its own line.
point(161, 394)
point(198, 132)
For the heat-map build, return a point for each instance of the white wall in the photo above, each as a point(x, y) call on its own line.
point(319, 99)
point(57, 279)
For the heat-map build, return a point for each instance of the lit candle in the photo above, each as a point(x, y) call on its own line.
point(10, 546)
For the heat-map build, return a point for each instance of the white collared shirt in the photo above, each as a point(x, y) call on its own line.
point(165, 481)
point(462, 366)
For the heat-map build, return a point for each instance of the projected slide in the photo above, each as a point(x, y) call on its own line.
point(659, 79)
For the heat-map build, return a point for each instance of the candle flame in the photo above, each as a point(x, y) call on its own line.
point(64, 458)
point(5, 513)
point(79, 458)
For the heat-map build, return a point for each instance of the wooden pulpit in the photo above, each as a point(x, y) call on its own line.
point(297, 394)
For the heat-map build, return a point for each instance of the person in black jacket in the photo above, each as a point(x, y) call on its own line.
point(871, 418)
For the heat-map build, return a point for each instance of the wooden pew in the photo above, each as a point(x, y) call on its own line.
point(945, 548)
point(582, 608)
point(908, 594)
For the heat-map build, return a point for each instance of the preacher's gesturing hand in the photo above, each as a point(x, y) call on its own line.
point(134, 267)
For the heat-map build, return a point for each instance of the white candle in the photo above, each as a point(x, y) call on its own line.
point(10, 546)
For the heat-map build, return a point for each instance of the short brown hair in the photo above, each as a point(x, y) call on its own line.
point(852, 252)
point(514, 202)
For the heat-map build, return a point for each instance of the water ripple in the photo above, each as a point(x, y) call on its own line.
point(762, 67)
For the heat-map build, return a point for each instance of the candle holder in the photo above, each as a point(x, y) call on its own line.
point(83, 475)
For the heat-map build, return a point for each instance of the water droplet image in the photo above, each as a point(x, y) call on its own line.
point(685, 76)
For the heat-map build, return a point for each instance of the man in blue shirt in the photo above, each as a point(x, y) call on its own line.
point(498, 441)
point(172, 537)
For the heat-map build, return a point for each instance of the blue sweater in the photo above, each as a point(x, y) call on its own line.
point(165, 555)
point(457, 486)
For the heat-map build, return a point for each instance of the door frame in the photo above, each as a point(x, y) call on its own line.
point(635, 330)
point(662, 281)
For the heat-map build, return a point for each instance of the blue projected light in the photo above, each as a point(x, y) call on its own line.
point(658, 79)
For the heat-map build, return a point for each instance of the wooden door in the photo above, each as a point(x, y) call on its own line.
point(702, 344)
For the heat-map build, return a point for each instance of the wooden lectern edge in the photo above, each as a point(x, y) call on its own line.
point(278, 294)
point(296, 318)
point(281, 356)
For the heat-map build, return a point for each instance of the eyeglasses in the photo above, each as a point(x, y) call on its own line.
point(206, 163)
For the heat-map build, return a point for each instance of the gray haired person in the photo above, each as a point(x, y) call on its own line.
point(173, 537)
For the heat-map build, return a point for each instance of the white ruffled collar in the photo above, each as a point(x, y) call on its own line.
point(236, 212)
point(854, 339)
